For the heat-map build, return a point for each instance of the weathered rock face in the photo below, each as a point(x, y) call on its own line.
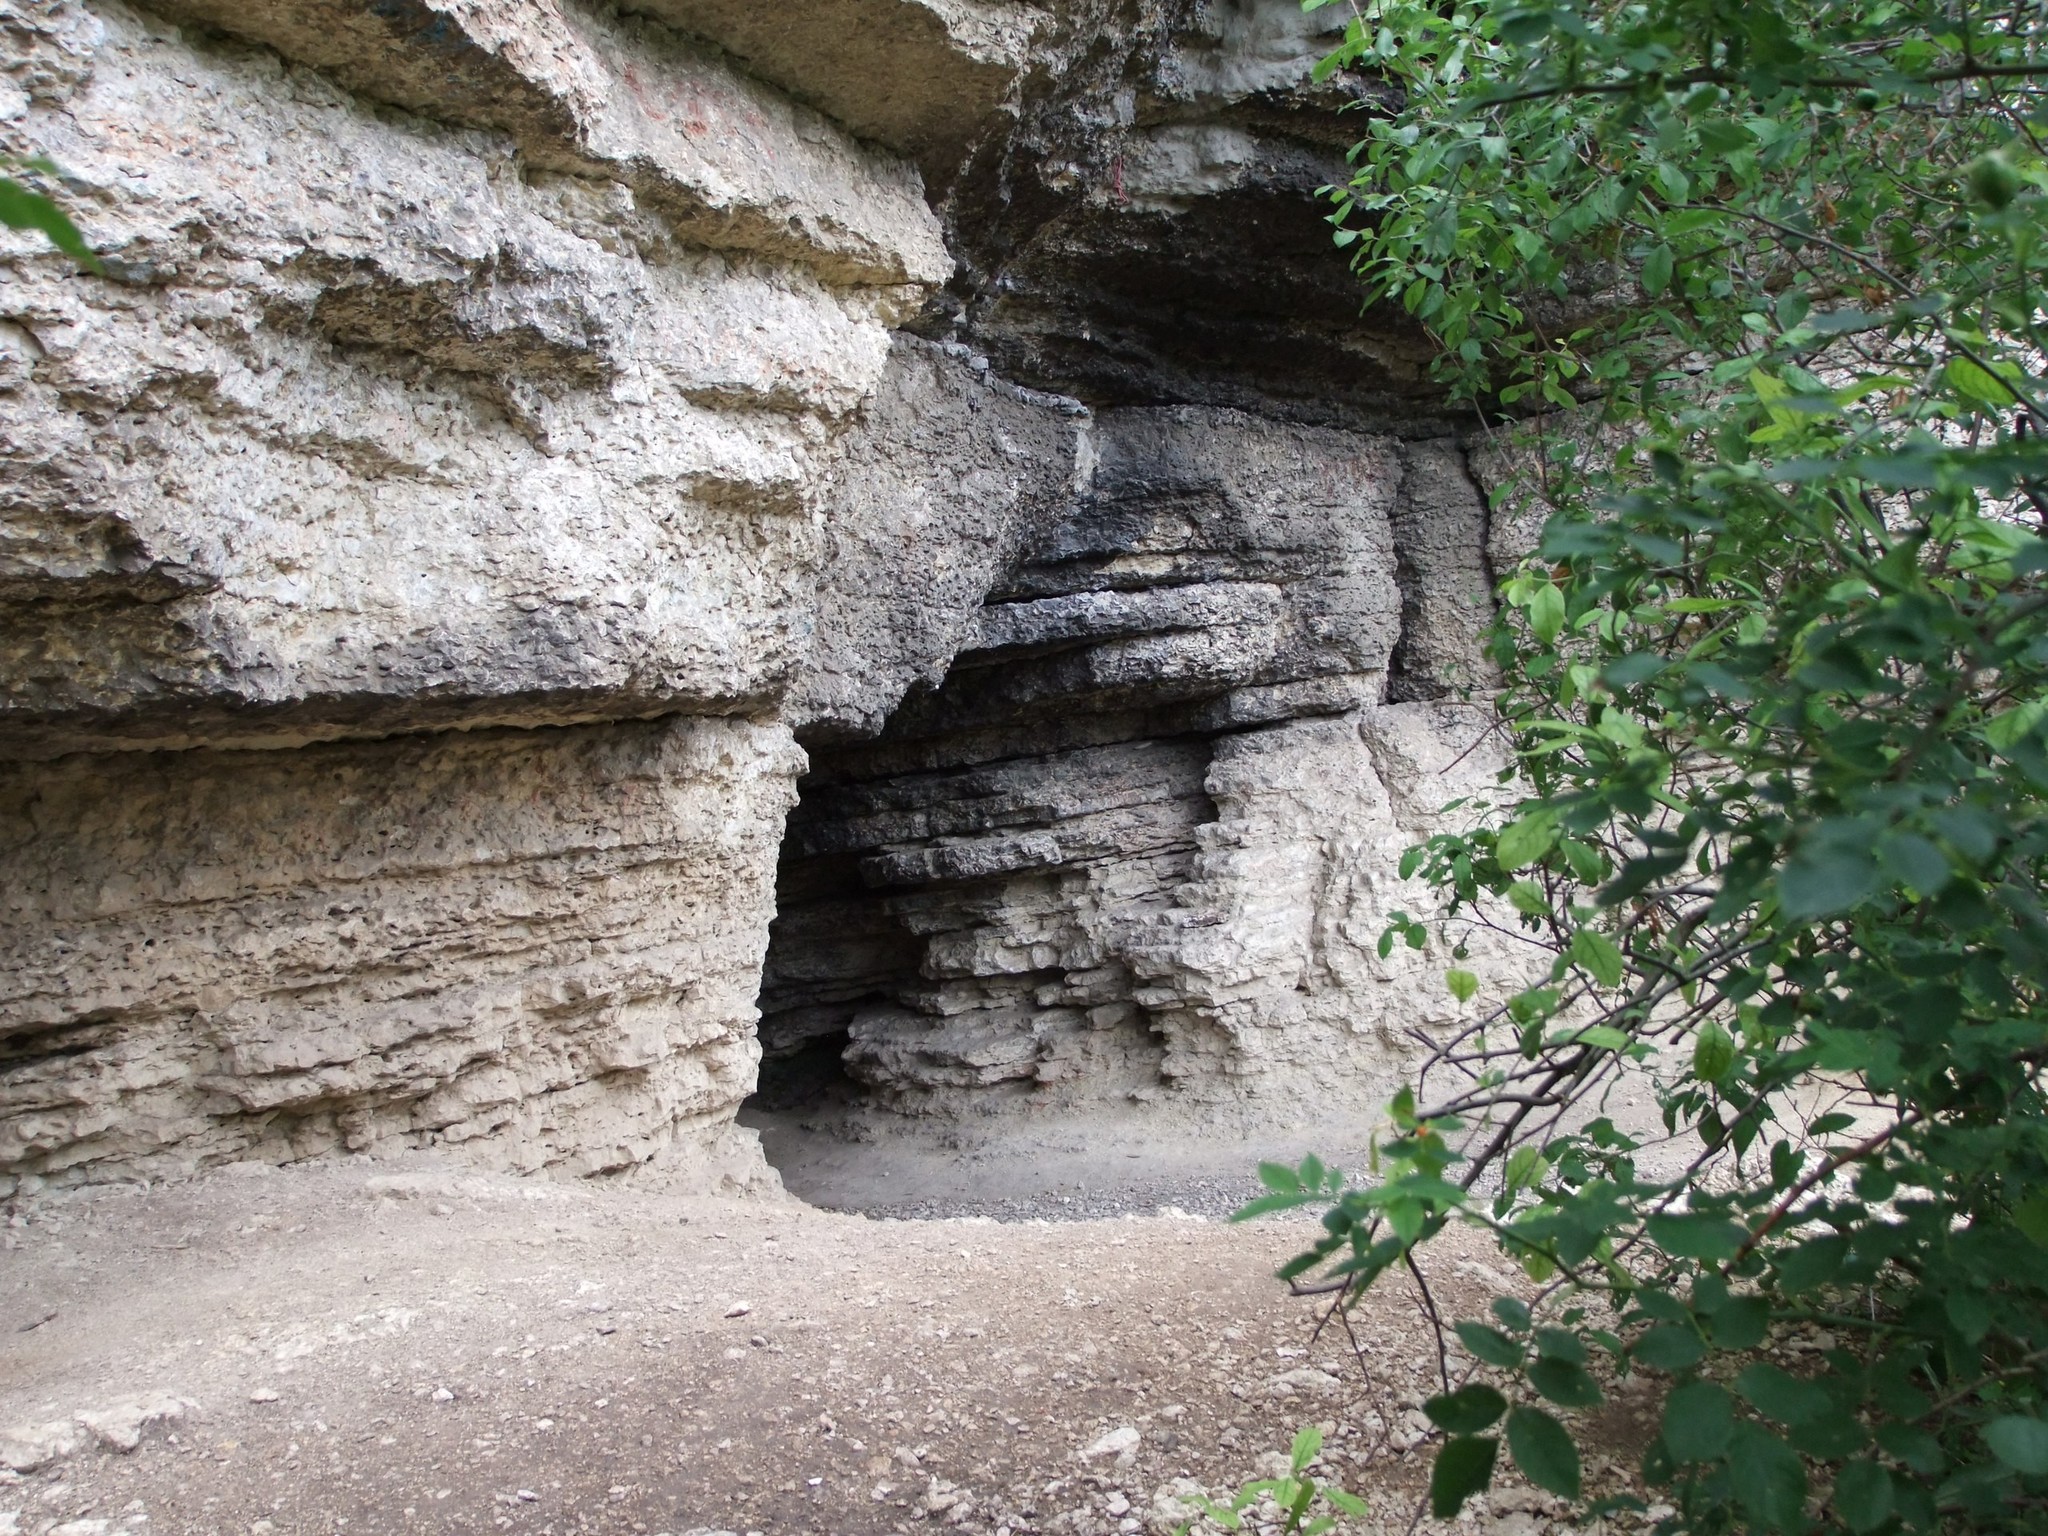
point(1148, 230)
point(507, 431)
point(541, 945)
point(1141, 838)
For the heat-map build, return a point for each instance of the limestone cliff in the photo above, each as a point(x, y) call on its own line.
point(510, 435)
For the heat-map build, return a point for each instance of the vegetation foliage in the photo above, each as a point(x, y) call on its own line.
point(22, 207)
point(1757, 290)
point(1295, 1501)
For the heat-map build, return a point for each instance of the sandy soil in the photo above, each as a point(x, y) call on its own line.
point(369, 1347)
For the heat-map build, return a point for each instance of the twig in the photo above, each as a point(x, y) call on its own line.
point(1826, 1170)
point(1436, 1321)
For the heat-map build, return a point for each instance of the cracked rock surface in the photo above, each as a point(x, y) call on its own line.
point(518, 452)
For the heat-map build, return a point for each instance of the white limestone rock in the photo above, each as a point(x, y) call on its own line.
point(487, 455)
point(537, 947)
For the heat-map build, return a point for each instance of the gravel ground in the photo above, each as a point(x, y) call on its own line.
point(1082, 1169)
point(1168, 1195)
point(362, 1348)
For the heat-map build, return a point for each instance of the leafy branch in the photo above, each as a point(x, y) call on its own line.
point(1755, 294)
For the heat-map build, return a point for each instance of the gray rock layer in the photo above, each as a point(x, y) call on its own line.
point(539, 946)
point(1140, 841)
point(506, 435)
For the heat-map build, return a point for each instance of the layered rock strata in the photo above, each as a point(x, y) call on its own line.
point(506, 435)
point(541, 946)
point(1141, 838)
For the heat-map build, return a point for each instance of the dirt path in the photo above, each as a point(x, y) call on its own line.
point(380, 1348)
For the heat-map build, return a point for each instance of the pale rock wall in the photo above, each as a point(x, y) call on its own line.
point(377, 425)
point(541, 947)
point(457, 365)
point(509, 435)
point(1140, 842)
point(951, 478)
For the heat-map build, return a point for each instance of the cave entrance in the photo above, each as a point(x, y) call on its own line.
point(964, 920)
point(963, 999)
point(835, 952)
point(1088, 867)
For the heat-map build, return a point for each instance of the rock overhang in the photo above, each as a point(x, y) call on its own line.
point(502, 398)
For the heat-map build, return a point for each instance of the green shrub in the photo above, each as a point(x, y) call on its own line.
point(1776, 687)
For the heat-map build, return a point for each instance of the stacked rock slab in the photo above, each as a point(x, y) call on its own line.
point(507, 434)
point(1140, 841)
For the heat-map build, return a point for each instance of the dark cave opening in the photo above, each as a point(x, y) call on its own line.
point(834, 950)
point(999, 899)
point(955, 937)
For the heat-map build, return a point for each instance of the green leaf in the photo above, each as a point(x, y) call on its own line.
point(2031, 1217)
point(1811, 1264)
point(1698, 1420)
point(1490, 1345)
point(2020, 1442)
point(1466, 1411)
point(1714, 1239)
point(1917, 861)
point(1822, 879)
point(1544, 1451)
point(1546, 612)
point(1526, 1166)
point(1406, 1217)
point(1741, 1324)
point(1463, 984)
point(1777, 1394)
point(1265, 1205)
point(1512, 1311)
point(1978, 385)
point(1668, 1348)
point(1523, 28)
point(1657, 270)
point(1637, 667)
point(22, 209)
point(2009, 727)
point(1713, 1052)
point(1279, 1178)
point(1768, 1478)
point(1564, 1383)
point(1523, 841)
point(1597, 953)
point(1588, 867)
point(1914, 1446)
point(1863, 1495)
point(1605, 1036)
point(1463, 1467)
point(1993, 181)
point(1560, 1344)
point(1308, 1444)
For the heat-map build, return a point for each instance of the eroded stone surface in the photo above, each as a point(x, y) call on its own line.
point(540, 946)
point(924, 77)
point(725, 162)
point(1150, 229)
point(505, 429)
point(951, 477)
point(1140, 841)
point(384, 428)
